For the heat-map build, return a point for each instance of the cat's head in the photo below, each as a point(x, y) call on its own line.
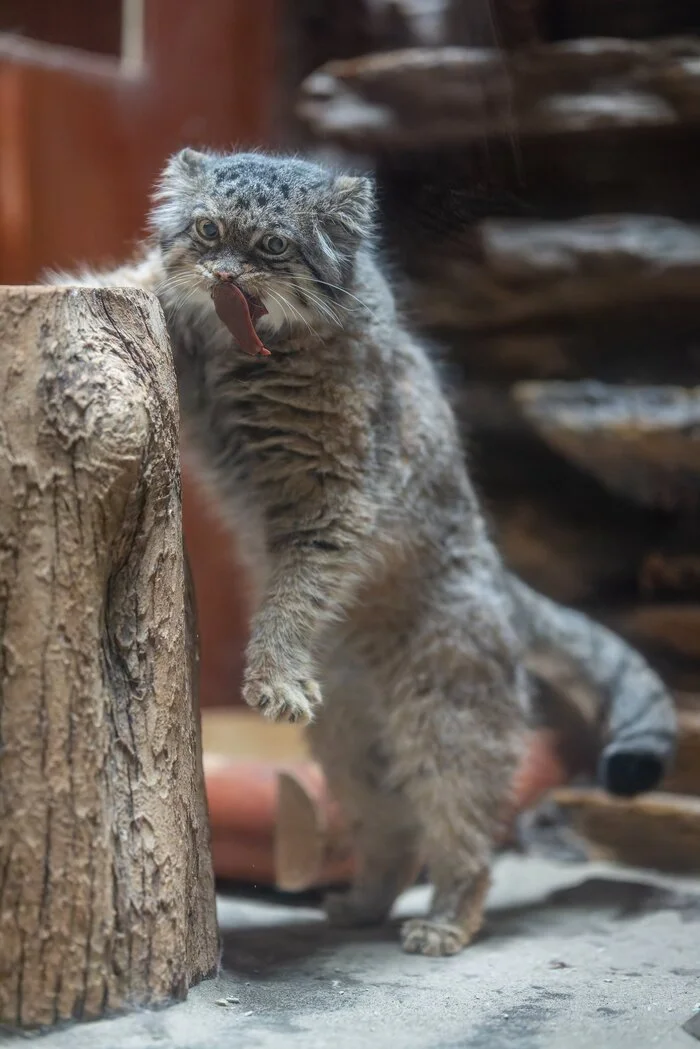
point(285, 231)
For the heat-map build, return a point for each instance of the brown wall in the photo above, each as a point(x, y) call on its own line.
point(81, 141)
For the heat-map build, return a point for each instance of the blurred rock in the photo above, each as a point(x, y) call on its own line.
point(435, 97)
point(641, 442)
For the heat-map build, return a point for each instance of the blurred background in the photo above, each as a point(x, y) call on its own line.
point(538, 167)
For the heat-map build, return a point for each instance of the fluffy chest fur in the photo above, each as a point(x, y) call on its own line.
point(334, 429)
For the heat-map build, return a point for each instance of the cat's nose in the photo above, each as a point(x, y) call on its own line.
point(226, 275)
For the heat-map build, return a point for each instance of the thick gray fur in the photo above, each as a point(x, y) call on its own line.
point(338, 464)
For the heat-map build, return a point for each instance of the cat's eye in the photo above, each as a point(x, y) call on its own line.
point(273, 244)
point(207, 229)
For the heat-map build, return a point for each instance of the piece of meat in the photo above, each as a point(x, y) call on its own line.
point(239, 315)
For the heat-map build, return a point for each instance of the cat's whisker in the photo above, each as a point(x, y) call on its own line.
point(280, 303)
point(316, 298)
point(176, 283)
point(298, 313)
point(336, 287)
point(183, 300)
point(325, 308)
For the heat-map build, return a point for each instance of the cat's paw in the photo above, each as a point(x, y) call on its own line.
point(432, 939)
point(348, 910)
point(282, 699)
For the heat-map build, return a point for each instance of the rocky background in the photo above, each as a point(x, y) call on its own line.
point(538, 165)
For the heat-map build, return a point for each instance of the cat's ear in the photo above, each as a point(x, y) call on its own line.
point(351, 205)
point(189, 162)
point(172, 193)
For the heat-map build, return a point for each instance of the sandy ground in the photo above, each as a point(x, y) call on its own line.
point(573, 957)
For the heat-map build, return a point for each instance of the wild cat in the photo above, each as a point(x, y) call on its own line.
point(384, 615)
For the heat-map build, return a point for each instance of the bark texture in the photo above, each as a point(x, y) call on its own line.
point(106, 887)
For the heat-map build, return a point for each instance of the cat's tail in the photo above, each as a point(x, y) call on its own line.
point(605, 676)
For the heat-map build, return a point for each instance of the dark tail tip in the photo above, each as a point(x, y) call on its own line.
point(630, 772)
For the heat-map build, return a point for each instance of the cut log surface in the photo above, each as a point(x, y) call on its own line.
point(106, 887)
point(312, 844)
point(641, 442)
point(444, 96)
point(660, 831)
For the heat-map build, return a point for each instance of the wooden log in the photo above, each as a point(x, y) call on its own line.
point(106, 887)
point(438, 97)
point(312, 844)
point(642, 442)
point(684, 776)
point(659, 831)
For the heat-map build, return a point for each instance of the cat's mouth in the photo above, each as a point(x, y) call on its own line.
point(240, 312)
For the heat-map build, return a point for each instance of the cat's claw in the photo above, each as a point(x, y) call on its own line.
point(282, 699)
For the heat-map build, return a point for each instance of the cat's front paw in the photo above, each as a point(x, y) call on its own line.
point(283, 699)
point(431, 939)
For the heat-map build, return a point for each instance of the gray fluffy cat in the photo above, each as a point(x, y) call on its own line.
point(384, 614)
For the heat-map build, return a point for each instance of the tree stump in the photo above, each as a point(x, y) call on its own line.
point(106, 887)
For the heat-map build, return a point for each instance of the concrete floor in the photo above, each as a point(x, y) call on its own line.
point(573, 957)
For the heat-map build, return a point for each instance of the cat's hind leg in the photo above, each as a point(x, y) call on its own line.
point(348, 741)
point(386, 865)
point(456, 722)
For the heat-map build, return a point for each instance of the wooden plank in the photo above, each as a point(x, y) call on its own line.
point(659, 831)
point(684, 777)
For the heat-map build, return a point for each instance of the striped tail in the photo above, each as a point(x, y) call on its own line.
point(610, 681)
